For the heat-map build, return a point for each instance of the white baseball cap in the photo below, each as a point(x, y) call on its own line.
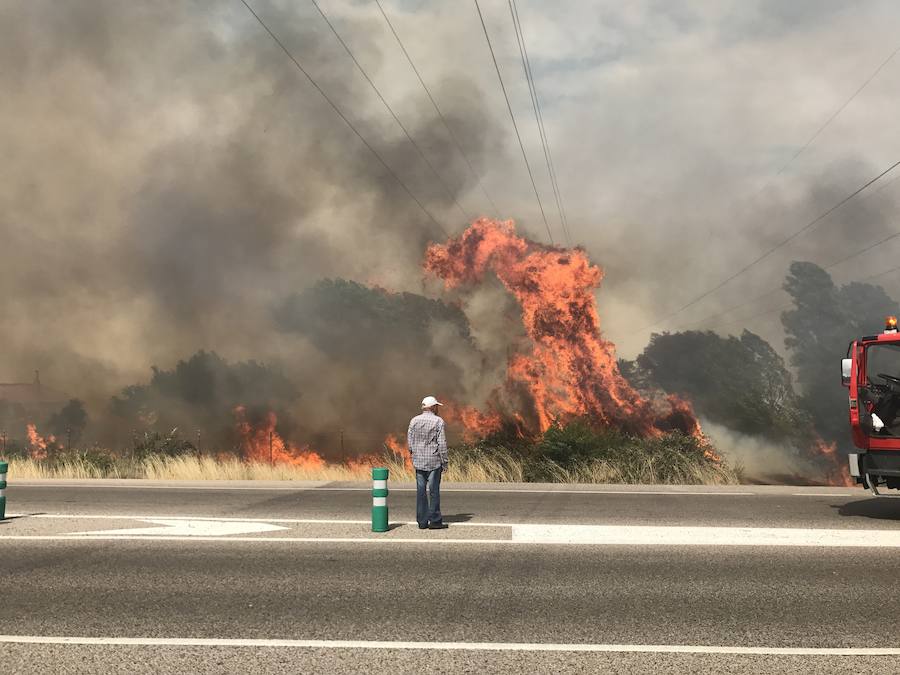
point(429, 401)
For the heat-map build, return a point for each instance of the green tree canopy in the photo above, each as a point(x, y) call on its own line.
point(741, 383)
point(201, 393)
point(351, 321)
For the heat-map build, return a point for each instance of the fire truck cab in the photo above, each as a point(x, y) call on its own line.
point(871, 372)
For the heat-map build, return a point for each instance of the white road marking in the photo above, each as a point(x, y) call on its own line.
point(342, 521)
point(445, 487)
point(567, 535)
point(224, 529)
point(455, 646)
point(828, 494)
point(625, 535)
point(297, 521)
point(176, 527)
point(302, 540)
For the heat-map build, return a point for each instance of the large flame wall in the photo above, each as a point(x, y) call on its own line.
point(570, 369)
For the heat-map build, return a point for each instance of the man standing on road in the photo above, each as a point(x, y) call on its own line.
point(428, 446)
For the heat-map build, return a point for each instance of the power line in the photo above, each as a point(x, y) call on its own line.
point(837, 112)
point(538, 116)
point(827, 122)
point(345, 118)
point(513, 118)
point(785, 307)
point(438, 110)
point(775, 290)
point(774, 248)
point(393, 114)
point(765, 295)
point(802, 149)
point(831, 266)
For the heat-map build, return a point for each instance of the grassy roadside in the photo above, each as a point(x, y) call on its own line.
point(468, 467)
point(572, 453)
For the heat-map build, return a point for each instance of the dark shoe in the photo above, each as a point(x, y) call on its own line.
point(437, 526)
point(423, 527)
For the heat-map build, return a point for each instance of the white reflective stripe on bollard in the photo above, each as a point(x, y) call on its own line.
point(379, 501)
point(3, 492)
point(379, 485)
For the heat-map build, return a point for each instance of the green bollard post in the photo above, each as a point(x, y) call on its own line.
point(379, 500)
point(4, 467)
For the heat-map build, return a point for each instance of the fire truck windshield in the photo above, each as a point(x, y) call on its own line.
point(881, 393)
point(882, 359)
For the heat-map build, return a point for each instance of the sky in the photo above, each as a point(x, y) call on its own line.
point(170, 176)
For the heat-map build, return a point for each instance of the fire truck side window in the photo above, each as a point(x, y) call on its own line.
point(881, 392)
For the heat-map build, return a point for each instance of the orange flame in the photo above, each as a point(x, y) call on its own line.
point(262, 443)
point(399, 450)
point(37, 444)
point(475, 423)
point(571, 370)
point(838, 473)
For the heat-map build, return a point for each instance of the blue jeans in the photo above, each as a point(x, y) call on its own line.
point(432, 481)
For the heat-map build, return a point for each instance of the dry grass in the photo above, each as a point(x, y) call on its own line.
point(29, 468)
point(497, 467)
point(646, 472)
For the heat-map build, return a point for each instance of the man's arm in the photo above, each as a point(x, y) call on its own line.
point(442, 447)
point(409, 437)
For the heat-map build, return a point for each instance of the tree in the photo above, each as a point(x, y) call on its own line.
point(741, 383)
point(69, 423)
point(202, 393)
point(825, 319)
point(402, 345)
point(351, 321)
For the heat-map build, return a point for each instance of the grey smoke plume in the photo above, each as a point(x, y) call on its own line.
point(169, 178)
point(762, 460)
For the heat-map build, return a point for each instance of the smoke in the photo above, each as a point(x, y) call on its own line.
point(762, 460)
point(170, 178)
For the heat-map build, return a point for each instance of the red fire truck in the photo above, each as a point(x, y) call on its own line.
point(872, 373)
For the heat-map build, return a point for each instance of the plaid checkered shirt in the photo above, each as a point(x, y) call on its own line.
point(427, 441)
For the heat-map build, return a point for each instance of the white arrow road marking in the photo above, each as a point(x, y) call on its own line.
point(191, 528)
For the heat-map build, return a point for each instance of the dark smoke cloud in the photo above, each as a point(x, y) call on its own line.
point(169, 177)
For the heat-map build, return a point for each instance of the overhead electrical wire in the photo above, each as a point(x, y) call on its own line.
point(825, 124)
point(837, 112)
point(800, 151)
point(808, 226)
point(513, 118)
point(539, 117)
point(831, 266)
point(773, 291)
point(344, 117)
point(770, 292)
point(785, 307)
point(437, 109)
point(387, 106)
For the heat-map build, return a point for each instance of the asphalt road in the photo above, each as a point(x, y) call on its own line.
point(336, 581)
